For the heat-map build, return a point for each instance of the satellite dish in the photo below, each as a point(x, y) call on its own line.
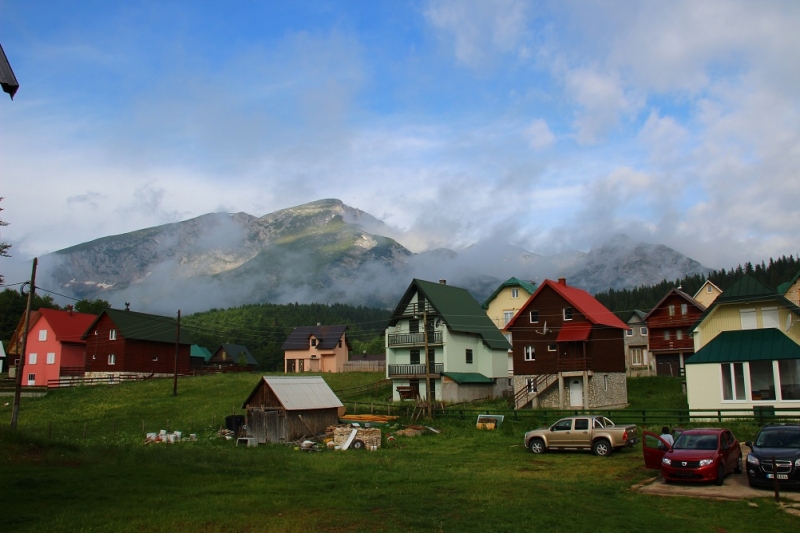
point(788, 321)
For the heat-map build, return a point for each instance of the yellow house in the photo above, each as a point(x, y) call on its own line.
point(791, 290)
point(747, 351)
point(707, 294)
point(316, 349)
point(504, 303)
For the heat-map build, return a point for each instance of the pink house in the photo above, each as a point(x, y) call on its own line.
point(316, 349)
point(54, 347)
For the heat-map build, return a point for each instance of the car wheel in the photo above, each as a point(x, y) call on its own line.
point(602, 448)
point(738, 469)
point(667, 480)
point(720, 475)
point(536, 446)
point(358, 445)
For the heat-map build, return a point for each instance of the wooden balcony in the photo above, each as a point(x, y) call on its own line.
point(414, 371)
point(414, 339)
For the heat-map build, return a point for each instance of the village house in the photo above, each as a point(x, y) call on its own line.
point(791, 289)
point(54, 345)
point(747, 354)
point(637, 358)
point(669, 325)
point(569, 351)
point(504, 303)
point(128, 342)
point(316, 349)
point(233, 356)
point(439, 333)
point(707, 293)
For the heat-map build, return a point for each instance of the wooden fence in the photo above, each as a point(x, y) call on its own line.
point(365, 366)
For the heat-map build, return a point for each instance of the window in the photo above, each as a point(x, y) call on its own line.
point(534, 317)
point(769, 317)
point(679, 334)
point(666, 334)
point(709, 289)
point(51, 358)
point(31, 379)
point(551, 347)
point(469, 356)
point(762, 381)
point(515, 293)
point(112, 334)
point(637, 356)
point(530, 353)
point(155, 358)
point(567, 313)
point(563, 425)
point(42, 334)
point(32, 359)
point(413, 326)
point(507, 316)
point(629, 332)
point(789, 376)
point(748, 317)
point(733, 381)
point(508, 337)
point(671, 310)
point(531, 384)
point(684, 309)
point(414, 357)
point(112, 359)
point(340, 343)
point(313, 341)
point(431, 355)
point(643, 330)
point(581, 423)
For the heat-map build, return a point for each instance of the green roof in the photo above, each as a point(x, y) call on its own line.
point(143, 327)
point(511, 282)
point(784, 287)
point(465, 378)
point(747, 345)
point(458, 309)
point(200, 351)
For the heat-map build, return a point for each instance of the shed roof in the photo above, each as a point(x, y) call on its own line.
point(466, 378)
point(299, 393)
point(747, 345)
point(327, 337)
point(200, 351)
point(458, 309)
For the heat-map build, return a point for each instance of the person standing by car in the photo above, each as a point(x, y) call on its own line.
point(666, 436)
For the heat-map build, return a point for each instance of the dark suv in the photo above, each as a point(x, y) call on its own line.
point(781, 442)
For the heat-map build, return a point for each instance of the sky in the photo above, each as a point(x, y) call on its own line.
point(547, 125)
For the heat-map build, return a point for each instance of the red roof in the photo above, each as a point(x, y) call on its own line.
point(68, 326)
point(574, 331)
point(581, 300)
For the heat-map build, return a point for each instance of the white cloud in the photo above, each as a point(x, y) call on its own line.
point(539, 135)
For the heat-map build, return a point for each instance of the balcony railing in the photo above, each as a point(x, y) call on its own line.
point(414, 339)
point(413, 370)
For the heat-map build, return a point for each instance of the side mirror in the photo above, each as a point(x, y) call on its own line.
point(749, 444)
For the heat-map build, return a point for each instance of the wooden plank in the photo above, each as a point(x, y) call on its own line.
point(350, 439)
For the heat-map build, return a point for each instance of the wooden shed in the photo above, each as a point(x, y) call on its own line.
point(284, 409)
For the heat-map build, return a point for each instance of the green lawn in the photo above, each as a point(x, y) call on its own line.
point(462, 479)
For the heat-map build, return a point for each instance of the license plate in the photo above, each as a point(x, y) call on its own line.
point(780, 476)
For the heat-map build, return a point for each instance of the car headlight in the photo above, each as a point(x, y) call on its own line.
point(666, 461)
point(706, 462)
point(753, 460)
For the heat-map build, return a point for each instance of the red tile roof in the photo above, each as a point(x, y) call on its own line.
point(68, 326)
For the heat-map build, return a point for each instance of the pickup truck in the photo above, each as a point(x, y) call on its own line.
point(596, 433)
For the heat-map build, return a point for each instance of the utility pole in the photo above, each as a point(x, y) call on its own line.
point(21, 364)
point(177, 348)
point(428, 404)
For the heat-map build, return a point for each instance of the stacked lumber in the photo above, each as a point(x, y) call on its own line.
point(380, 419)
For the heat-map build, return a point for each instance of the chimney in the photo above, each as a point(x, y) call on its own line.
point(442, 282)
point(69, 308)
point(562, 281)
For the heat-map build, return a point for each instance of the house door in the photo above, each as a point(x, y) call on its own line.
point(31, 380)
point(576, 392)
point(668, 365)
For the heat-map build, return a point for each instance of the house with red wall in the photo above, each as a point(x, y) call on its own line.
point(568, 349)
point(669, 330)
point(55, 347)
point(128, 342)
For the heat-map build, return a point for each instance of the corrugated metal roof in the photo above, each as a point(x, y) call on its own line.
point(574, 332)
point(747, 345)
point(306, 392)
point(463, 378)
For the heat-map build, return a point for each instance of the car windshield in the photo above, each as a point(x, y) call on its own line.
point(779, 438)
point(696, 442)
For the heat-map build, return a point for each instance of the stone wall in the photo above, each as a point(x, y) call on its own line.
point(615, 396)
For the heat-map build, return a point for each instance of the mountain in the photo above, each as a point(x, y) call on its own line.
point(324, 252)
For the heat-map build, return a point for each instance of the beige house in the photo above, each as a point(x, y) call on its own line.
point(706, 294)
point(504, 303)
point(747, 351)
point(638, 361)
point(791, 290)
point(316, 349)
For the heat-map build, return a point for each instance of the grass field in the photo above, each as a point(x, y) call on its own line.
point(78, 462)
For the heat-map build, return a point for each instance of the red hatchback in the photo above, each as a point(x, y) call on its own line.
point(697, 455)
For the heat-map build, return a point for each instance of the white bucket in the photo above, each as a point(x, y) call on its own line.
point(178, 435)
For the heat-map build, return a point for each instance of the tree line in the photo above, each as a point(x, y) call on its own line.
point(645, 297)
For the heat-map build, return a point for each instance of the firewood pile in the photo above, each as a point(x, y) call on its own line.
point(371, 437)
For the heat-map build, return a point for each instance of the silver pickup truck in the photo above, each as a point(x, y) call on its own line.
point(596, 433)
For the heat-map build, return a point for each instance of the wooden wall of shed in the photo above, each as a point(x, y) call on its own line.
point(264, 397)
point(317, 421)
point(273, 425)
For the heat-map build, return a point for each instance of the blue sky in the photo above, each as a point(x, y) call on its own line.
point(548, 125)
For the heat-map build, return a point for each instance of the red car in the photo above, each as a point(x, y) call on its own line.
point(707, 454)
